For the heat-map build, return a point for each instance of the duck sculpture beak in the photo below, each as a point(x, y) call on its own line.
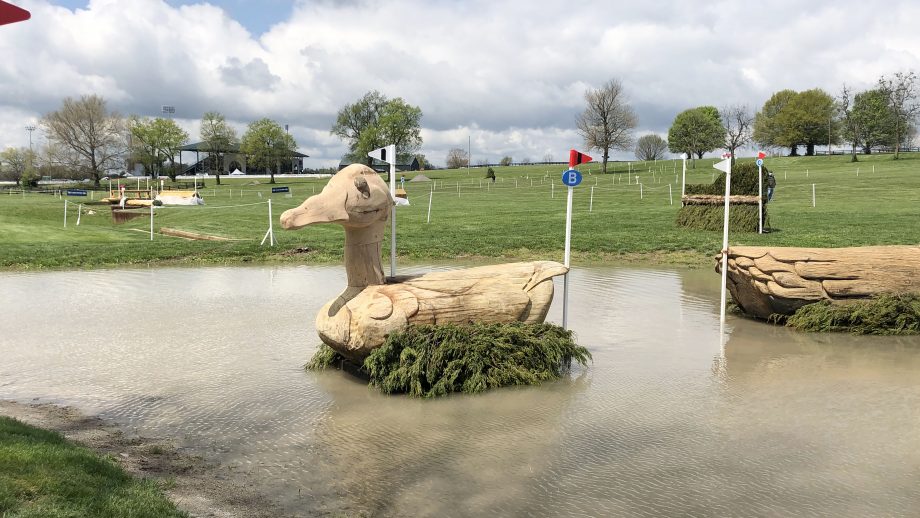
point(317, 209)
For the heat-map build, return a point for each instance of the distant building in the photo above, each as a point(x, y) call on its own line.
point(383, 167)
point(233, 159)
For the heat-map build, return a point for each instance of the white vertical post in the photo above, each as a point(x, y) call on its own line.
point(65, 213)
point(857, 172)
point(392, 158)
point(670, 196)
point(728, 190)
point(568, 244)
point(151, 221)
point(458, 189)
point(640, 192)
point(591, 203)
point(430, 196)
point(79, 213)
point(271, 227)
point(760, 199)
point(812, 195)
point(552, 189)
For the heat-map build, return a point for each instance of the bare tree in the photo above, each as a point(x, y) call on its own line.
point(548, 157)
point(738, 122)
point(90, 138)
point(608, 120)
point(457, 158)
point(651, 147)
point(902, 99)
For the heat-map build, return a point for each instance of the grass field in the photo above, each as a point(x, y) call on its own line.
point(522, 215)
point(44, 475)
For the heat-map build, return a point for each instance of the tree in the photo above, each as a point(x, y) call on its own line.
point(423, 163)
point(375, 121)
point(218, 137)
point(88, 137)
point(852, 129)
point(902, 93)
point(651, 147)
point(608, 120)
point(791, 119)
point(506, 161)
point(15, 164)
point(266, 143)
point(876, 121)
point(457, 158)
point(155, 141)
point(738, 122)
point(696, 131)
point(548, 157)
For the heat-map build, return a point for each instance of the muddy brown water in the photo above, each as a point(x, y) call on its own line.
point(666, 421)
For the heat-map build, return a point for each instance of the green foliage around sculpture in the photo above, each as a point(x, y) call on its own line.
point(436, 360)
point(886, 314)
point(742, 218)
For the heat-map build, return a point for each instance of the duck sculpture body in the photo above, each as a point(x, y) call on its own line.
point(373, 306)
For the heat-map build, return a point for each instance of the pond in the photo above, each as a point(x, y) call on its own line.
point(669, 419)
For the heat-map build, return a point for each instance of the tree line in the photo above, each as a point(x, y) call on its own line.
point(85, 139)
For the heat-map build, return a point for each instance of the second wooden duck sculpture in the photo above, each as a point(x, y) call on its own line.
point(372, 306)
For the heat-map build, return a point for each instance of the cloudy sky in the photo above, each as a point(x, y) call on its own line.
point(510, 74)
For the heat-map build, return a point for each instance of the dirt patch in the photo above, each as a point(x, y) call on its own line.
point(196, 485)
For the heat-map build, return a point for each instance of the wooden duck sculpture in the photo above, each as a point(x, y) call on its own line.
point(372, 306)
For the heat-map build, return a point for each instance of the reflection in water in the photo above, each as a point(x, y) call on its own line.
point(662, 423)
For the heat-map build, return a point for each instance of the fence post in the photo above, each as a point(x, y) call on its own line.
point(65, 213)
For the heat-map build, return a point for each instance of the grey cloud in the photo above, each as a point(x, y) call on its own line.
point(254, 75)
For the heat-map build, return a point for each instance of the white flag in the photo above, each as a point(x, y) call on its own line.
point(724, 166)
point(385, 154)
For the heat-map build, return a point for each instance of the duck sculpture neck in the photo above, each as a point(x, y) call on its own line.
point(362, 255)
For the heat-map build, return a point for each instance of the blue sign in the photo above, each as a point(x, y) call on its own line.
point(759, 162)
point(76, 192)
point(280, 189)
point(571, 178)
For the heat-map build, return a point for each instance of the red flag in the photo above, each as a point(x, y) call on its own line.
point(9, 13)
point(761, 154)
point(577, 157)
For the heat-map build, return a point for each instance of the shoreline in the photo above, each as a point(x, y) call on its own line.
point(196, 485)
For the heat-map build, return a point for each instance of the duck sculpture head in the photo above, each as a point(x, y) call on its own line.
point(357, 199)
point(372, 306)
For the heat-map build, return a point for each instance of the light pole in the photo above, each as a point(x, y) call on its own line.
point(30, 128)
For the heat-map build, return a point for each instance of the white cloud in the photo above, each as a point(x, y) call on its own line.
point(509, 74)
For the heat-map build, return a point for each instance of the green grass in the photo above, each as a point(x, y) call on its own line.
point(495, 220)
point(44, 475)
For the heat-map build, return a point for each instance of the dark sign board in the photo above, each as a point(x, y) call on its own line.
point(76, 192)
point(280, 189)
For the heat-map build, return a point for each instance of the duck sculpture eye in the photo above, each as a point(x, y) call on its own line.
point(362, 186)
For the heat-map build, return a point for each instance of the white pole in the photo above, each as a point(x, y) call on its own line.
point(552, 190)
point(392, 157)
point(857, 172)
point(65, 213)
point(812, 195)
point(151, 221)
point(760, 199)
point(430, 196)
point(683, 182)
point(670, 196)
point(79, 213)
point(568, 244)
point(458, 189)
point(271, 227)
point(640, 192)
point(591, 203)
point(728, 182)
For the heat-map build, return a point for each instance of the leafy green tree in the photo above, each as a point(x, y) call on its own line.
point(877, 123)
point(86, 136)
point(696, 131)
point(506, 161)
point(651, 147)
point(15, 164)
point(375, 121)
point(791, 119)
point(266, 144)
point(423, 163)
point(155, 141)
point(218, 137)
point(608, 120)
